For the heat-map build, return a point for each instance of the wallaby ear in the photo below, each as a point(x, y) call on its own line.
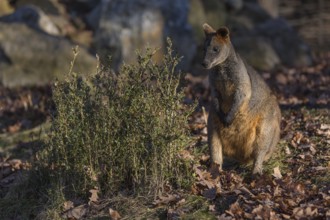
point(223, 32)
point(208, 29)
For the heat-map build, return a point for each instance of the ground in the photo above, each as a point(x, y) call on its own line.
point(295, 184)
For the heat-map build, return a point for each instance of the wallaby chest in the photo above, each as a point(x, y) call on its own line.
point(223, 86)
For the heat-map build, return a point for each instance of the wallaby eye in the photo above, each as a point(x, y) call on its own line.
point(216, 49)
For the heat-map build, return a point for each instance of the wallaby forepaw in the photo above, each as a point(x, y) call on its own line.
point(226, 119)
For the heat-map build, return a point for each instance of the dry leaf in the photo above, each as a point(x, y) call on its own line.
point(327, 214)
point(14, 128)
point(291, 202)
point(301, 212)
point(114, 215)
point(75, 213)
point(299, 188)
point(204, 177)
point(172, 214)
point(320, 168)
point(79, 211)
point(324, 130)
point(286, 216)
point(212, 208)
point(67, 205)
point(325, 127)
point(235, 210)
point(277, 173)
point(287, 150)
point(16, 163)
point(182, 201)
point(297, 138)
point(166, 199)
point(210, 193)
point(277, 191)
point(94, 197)
point(262, 212)
point(205, 158)
point(247, 191)
point(184, 154)
point(312, 149)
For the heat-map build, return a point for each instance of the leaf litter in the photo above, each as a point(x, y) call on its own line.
point(296, 187)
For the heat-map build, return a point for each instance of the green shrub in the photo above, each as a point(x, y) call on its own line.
point(120, 131)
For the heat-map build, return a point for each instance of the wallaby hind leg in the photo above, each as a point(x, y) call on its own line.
point(264, 146)
point(275, 140)
point(214, 142)
point(257, 164)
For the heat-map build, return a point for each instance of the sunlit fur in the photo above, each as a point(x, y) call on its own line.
point(244, 118)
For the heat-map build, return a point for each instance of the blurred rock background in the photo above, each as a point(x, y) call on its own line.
point(37, 37)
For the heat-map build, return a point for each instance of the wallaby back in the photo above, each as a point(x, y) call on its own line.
point(244, 119)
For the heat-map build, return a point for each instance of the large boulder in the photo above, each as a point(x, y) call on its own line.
point(50, 7)
point(258, 52)
point(123, 26)
point(33, 17)
point(264, 40)
point(31, 57)
point(288, 45)
point(51, 11)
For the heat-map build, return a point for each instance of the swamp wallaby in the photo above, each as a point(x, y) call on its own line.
point(244, 118)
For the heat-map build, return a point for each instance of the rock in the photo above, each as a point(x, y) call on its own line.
point(288, 45)
point(30, 57)
point(33, 17)
point(93, 18)
point(54, 10)
point(4, 60)
point(235, 5)
point(266, 41)
point(250, 15)
point(257, 52)
point(272, 7)
point(82, 5)
point(281, 78)
point(211, 11)
point(5, 8)
point(123, 26)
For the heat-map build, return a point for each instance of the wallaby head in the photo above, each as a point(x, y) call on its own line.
point(217, 46)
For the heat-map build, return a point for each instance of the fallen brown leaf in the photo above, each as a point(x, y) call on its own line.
point(162, 200)
point(305, 212)
point(210, 193)
point(277, 173)
point(67, 205)
point(75, 213)
point(184, 154)
point(94, 195)
point(212, 208)
point(114, 215)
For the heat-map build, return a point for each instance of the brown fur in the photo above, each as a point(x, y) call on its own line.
point(244, 118)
